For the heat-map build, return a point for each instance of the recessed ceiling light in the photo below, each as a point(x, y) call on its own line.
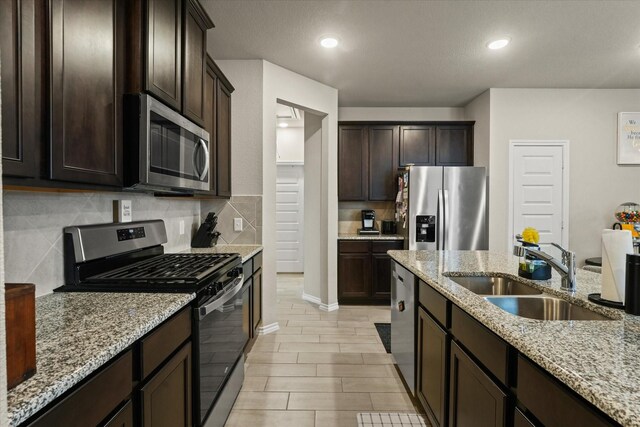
point(499, 43)
point(329, 42)
point(283, 125)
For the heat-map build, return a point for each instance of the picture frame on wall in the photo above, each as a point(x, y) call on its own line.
point(628, 138)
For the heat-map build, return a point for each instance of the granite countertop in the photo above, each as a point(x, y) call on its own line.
point(356, 236)
point(77, 332)
point(600, 360)
point(246, 251)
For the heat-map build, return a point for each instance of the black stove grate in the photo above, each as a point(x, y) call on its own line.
point(168, 268)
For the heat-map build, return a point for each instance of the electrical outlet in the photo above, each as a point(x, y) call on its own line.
point(237, 224)
point(181, 227)
point(122, 211)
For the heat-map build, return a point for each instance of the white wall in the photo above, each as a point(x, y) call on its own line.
point(282, 84)
point(479, 110)
point(588, 119)
point(399, 114)
point(3, 346)
point(290, 144)
point(315, 254)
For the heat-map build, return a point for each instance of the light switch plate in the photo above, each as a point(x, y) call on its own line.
point(181, 227)
point(237, 224)
point(122, 211)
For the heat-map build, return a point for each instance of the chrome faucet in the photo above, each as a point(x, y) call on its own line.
point(565, 267)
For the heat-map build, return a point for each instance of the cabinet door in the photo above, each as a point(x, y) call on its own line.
point(474, 399)
point(417, 145)
point(123, 418)
point(164, 51)
point(380, 276)
point(257, 300)
point(21, 27)
point(223, 139)
point(354, 276)
point(383, 162)
point(453, 146)
point(210, 89)
point(166, 398)
point(86, 84)
point(432, 387)
point(195, 54)
point(353, 170)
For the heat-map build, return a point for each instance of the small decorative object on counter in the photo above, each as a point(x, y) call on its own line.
point(632, 285)
point(528, 266)
point(628, 214)
point(20, 320)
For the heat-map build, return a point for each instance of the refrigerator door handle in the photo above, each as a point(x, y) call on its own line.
point(440, 221)
point(445, 209)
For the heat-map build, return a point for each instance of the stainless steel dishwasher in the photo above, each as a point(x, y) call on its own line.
point(403, 320)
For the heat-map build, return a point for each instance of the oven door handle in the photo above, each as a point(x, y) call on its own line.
point(228, 295)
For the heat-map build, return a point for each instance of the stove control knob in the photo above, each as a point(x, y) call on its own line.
point(210, 290)
point(218, 286)
point(235, 272)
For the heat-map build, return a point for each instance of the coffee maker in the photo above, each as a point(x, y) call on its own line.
point(368, 222)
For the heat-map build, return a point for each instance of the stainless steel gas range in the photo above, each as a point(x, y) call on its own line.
point(129, 257)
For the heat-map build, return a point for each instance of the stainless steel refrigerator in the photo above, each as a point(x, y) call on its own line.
point(443, 208)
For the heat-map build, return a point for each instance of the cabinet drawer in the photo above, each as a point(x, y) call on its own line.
point(257, 261)
point(247, 269)
point(94, 400)
point(486, 346)
point(552, 403)
point(353, 247)
point(435, 303)
point(155, 348)
point(379, 247)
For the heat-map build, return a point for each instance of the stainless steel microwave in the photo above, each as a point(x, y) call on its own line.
point(164, 151)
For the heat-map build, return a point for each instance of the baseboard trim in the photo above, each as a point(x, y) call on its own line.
point(329, 307)
point(264, 330)
point(311, 298)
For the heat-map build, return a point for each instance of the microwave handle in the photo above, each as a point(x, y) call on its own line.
point(203, 144)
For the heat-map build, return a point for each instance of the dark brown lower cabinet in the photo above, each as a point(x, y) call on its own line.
point(520, 420)
point(432, 372)
point(551, 402)
point(166, 398)
point(122, 418)
point(364, 271)
point(474, 399)
point(256, 301)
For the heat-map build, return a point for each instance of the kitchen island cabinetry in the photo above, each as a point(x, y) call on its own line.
point(469, 374)
point(364, 270)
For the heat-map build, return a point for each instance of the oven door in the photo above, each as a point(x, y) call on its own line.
point(221, 341)
point(174, 152)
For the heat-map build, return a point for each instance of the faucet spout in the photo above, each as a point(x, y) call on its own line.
point(565, 267)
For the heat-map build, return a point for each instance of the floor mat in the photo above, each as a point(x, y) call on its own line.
point(389, 419)
point(384, 330)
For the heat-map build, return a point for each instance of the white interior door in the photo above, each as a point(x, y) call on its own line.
point(539, 177)
point(290, 219)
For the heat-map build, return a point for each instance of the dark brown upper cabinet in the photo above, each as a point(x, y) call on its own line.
point(353, 167)
point(196, 24)
point(217, 121)
point(383, 162)
point(454, 146)
point(21, 46)
point(417, 145)
point(87, 43)
point(163, 37)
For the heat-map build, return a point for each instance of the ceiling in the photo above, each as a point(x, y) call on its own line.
point(433, 53)
point(293, 117)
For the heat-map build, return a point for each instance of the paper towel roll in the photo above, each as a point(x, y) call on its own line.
point(616, 244)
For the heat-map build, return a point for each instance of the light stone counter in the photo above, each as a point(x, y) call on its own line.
point(600, 360)
point(246, 251)
point(356, 236)
point(77, 333)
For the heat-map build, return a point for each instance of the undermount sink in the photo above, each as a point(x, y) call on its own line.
point(494, 285)
point(545, 308)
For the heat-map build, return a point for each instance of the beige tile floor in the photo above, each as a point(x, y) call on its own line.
point(320, 369)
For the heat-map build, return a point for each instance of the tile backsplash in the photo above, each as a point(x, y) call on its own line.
point(249, 208)
point(350, 216)
point(33, 224)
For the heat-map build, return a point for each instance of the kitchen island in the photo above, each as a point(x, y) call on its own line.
point(596, 359)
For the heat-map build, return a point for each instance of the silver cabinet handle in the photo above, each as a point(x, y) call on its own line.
point(237, 285)
point(440, 220)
